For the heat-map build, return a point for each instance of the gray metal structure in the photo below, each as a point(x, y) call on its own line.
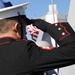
point(70, 70)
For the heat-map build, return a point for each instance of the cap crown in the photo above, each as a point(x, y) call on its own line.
point(13, 11)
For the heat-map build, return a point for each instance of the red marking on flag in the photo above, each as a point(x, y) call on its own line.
point(34, 31)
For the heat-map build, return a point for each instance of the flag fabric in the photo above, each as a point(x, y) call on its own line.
point(47, 48)
point(34, 31)
point(4, 4)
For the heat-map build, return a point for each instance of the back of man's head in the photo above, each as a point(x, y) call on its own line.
point(5, 25)
point(10, 15)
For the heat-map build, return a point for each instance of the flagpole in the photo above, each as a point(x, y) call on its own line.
point(53, 11)
point(54, 22)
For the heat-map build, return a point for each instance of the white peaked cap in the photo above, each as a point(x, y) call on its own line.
point(12, 11)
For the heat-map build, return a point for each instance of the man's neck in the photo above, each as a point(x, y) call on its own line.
point(12, 35)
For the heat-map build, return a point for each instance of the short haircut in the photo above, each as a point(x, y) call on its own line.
point(6, 24)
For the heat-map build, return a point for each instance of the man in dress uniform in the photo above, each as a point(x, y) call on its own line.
point(19, 56)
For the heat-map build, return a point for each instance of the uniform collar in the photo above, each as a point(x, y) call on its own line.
point(6, 39)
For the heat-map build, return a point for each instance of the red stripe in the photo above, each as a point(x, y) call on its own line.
point(33, 32)
point(47, 48)
point(65, 31)
point(4, 43)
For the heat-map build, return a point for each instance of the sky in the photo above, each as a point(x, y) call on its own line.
point(38, 8)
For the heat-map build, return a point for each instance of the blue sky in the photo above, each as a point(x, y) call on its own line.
point(38, 8)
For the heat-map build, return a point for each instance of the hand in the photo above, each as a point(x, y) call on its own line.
point(28, 21)
point(41, 24)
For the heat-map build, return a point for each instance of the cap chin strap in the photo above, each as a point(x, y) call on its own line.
point(26, 21)
point(23, 25)
point(19, 18)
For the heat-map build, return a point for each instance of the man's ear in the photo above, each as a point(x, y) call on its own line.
point(15, 27)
